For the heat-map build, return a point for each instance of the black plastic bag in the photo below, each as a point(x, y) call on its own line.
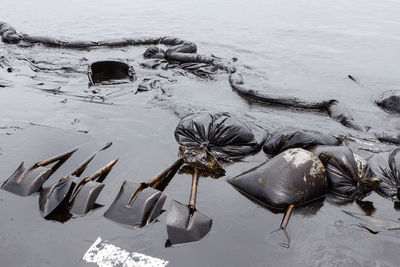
point(348, 174)
point(286, 138)
point(390, 101)
point(386, 166)
point(294, 177)
point(221, 134)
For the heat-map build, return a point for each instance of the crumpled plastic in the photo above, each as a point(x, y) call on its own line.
point(386, 166)
point(346, 172)
point(201, 159)
point(222, 134)
point(286, 138)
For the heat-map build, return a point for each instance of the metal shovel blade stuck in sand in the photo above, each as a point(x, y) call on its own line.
point(51, 197)
point(137, 204)
point(184, 223)
point(85, 193)
point(26, 181)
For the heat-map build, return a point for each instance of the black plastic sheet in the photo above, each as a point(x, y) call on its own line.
point(221, 134)
point(386, 166)
point(286, 138)
point(347, 172)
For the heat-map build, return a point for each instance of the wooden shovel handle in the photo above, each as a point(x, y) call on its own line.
point(155, 181)
point(78, 171)
point(55, 158)
point(101, 171)
point(193, 192)
point(286, 217)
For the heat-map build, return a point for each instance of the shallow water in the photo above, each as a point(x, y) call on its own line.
point(305, 49)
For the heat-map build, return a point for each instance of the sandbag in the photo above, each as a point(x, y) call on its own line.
point(8, 33)
point(293, 177)
point(286, 138)
point(182, 56)
point(348, 174)
point(221, 134)
point(390, 102)
point(386, 167)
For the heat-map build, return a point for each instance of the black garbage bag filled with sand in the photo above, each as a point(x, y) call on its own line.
point(294, 177)
point(222, 134)
point(348, 174)
point(386, 167)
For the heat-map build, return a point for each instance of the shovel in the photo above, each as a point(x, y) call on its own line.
point(85, 193)
point(276, 236)
point(185, 223)
point(139, 204)
point(26, 181)
point(51, 197)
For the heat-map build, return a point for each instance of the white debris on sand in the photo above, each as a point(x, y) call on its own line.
point(108, 255)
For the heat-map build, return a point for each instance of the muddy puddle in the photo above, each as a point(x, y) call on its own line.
point(300, 49)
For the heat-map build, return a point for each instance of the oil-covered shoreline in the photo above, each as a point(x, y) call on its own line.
point(47, 111)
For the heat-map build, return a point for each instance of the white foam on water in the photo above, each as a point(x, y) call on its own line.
point(107, 255)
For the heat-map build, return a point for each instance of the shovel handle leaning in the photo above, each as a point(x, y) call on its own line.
point(101, 171)
point(78, 171)
point(193, 192)
point(56, 158)
point(97, 174)
point(286, 217)
point(276, 236)
point(155, 181)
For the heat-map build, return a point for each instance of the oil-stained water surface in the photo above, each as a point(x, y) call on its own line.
point(303, 48)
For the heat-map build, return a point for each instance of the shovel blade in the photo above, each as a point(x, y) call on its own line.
point(184, 225)
point(50, 198)
point(25, 182)
point(86, 198)
point(144, 208)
